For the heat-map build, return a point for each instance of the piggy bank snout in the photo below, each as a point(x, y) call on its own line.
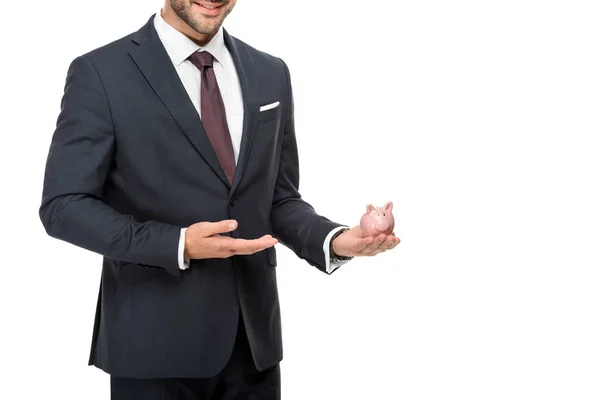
point(382, 225)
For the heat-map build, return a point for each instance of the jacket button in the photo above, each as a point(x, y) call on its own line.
point(232, 202)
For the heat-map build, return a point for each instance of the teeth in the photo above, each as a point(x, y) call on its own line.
point(209, 7)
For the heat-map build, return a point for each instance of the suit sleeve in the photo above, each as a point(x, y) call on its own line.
point(294, 221)
point(79, 161)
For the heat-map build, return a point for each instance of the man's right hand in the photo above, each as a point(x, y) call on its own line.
point(203, 240)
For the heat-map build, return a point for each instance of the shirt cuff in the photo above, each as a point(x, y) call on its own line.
point(183, 262)
point(332, 266)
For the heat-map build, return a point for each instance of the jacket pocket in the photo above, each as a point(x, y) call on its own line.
point(268, 115)
point(130, 273)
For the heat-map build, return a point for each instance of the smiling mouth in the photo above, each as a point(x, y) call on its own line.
point(210, 7)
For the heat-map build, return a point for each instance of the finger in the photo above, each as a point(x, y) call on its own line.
point(394, 243)
point(367, 247)
point(368, 251)
point(389, 243)
point(264, 242)
point(363, 244)
point(251, 246)
point(379, 240)
point(373, 248)
point(214, 228)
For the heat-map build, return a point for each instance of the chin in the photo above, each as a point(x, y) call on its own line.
point(206, 29)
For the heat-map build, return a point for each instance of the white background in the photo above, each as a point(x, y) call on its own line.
point(479, 119)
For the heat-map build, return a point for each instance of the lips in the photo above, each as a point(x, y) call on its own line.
point(209, 8)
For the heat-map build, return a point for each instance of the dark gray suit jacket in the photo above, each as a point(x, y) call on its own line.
point(130, 165)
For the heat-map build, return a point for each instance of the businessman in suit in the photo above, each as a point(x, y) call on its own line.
point(175, 158)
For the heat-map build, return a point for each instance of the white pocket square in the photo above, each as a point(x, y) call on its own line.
point(269, 106)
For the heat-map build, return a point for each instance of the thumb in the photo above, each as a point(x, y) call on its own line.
point(214, 228)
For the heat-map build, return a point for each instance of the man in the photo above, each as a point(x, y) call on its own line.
point(175, 158)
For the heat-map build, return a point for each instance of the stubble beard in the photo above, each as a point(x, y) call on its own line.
point(202, 25)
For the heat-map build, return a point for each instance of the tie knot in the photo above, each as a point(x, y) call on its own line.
point(202, 59)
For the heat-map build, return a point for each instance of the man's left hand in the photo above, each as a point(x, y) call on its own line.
point(353, 243)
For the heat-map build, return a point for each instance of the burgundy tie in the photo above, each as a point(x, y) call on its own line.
point(212, 112)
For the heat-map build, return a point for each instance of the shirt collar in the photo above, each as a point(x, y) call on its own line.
point(180, 47)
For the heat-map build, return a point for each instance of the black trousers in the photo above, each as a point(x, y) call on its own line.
point(239, 380)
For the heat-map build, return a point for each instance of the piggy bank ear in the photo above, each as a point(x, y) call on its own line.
point(388, 206)
point(370, 208)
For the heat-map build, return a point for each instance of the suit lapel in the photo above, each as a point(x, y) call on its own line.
point(248, 82)
point(154, 63)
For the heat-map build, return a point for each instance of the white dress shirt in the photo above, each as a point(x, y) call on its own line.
point(179, 47)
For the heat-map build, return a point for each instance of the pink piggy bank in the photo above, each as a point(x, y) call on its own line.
point(378, 220)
